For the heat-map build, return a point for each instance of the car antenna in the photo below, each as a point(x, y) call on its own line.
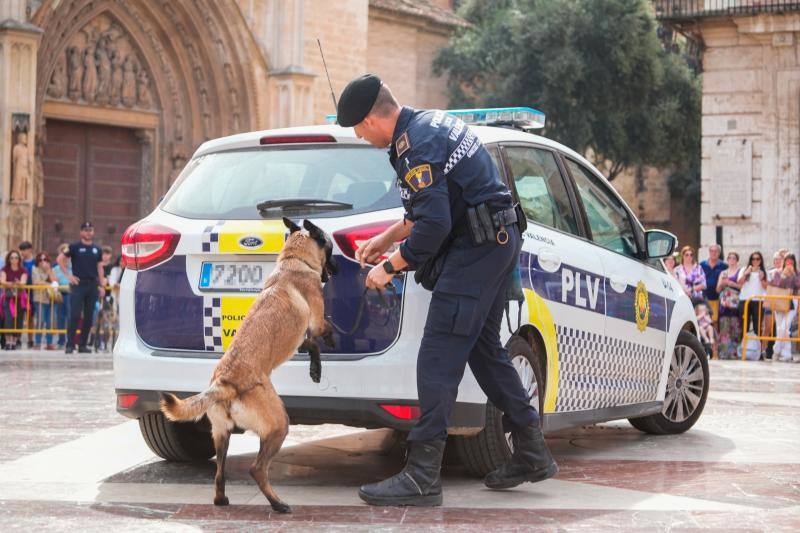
point(333, 95)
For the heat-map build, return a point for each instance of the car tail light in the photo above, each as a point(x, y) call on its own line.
point(294, 139)
point(126, 401)
point(403, 412)
point(351, 239)
point(145, 245)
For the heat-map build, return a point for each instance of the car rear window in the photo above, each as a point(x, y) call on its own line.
point(229, 185)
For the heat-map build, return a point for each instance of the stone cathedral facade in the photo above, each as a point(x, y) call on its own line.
point(102, 102)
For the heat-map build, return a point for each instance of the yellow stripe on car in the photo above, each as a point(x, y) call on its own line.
point(539, 317)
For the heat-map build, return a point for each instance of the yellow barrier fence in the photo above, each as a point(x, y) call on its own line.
point(777, 304)
point(37, 310)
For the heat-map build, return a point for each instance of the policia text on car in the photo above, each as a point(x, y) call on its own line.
point(461, 231)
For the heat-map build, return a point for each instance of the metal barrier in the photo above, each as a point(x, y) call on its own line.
point(771, 300)
point(23, 309)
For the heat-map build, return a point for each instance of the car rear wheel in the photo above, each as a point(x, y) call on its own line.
point(486, 451)
point(687, 390)
point(176, 441)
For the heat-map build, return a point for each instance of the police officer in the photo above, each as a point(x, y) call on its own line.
point(87, 271)
point(455, 202)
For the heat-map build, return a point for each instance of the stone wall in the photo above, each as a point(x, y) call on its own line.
point(751, 142)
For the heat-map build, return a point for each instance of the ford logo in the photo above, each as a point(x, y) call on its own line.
point(250, 242)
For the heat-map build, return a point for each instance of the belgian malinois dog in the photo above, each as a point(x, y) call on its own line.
point(287, 314)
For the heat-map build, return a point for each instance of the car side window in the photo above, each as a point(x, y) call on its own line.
point(540, 187)
point(608, 219)
point(495, 155)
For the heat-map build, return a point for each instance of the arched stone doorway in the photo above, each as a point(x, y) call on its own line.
point(154, 79)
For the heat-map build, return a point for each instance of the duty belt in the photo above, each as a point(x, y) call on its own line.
point(486, 225)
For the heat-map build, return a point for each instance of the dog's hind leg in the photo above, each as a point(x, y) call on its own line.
point(272, 427)
point(221, 427)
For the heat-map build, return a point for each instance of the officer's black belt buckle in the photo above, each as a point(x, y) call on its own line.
point(485, 226)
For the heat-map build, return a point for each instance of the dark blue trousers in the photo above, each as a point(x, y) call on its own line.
point(463, 327)
point(83, 297)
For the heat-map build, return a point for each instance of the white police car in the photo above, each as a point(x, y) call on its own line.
point(603, 332)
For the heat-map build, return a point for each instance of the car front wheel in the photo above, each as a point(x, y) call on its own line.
point(687, 390)
point(176, 441)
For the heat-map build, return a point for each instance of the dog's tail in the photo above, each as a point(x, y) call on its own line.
point(193, 407)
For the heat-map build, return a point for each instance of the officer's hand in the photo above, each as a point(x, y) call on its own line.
point(371, 251)
point(73, 280)
point(378, 277)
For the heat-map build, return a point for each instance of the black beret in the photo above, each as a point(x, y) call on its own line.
point(357, 99)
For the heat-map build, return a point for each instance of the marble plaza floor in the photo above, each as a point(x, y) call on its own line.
point(69, 462)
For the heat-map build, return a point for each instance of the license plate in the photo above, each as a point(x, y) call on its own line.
point(240, 276)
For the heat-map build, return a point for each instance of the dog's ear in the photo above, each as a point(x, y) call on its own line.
point(291, 225)
point(316, 233)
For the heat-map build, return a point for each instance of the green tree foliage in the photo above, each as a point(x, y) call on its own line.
point(595, 67)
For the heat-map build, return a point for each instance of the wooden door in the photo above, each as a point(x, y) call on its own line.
point(91, 172)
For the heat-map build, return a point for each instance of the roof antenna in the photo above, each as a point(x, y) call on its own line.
point(333, 96)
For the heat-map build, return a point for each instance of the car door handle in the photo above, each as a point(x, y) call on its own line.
point(549, 261)
point(618, 283)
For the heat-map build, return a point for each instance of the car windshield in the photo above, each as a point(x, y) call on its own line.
point(230, 185)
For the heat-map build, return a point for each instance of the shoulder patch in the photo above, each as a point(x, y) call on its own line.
point(419, 177)
point(402, 144)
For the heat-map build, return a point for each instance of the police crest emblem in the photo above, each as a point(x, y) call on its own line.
point(642, 306)
point(419, 177)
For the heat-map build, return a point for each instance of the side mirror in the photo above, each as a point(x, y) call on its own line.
point(659, 243)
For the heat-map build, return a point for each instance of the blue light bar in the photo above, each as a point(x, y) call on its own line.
point(520, 117)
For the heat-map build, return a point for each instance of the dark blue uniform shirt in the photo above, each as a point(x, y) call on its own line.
point(442, 168)
point(84, 260)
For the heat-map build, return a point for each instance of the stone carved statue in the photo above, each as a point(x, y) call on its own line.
point(143, 88)
point(103, 73)
point(58, 81)
point(20, 168)
point(117, 61)
point(74, 71)
point(129, 82)
point(89, 85)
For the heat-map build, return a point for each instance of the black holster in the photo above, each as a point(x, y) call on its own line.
point(490, 226)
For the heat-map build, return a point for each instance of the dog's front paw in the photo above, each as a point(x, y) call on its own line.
point(327, 338)
point(315, 371)
point(221, 500)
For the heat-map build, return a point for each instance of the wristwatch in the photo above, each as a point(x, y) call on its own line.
point(389, 267)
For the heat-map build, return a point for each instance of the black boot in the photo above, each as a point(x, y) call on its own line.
point(531, 461)
point(419, 483)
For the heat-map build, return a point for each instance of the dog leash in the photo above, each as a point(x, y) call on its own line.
point(362, 304)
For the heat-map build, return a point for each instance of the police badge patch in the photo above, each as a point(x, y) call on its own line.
point(641, 306)
point(419, 177)
point(402, 144)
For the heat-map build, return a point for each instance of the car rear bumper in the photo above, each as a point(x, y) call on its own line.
point(357, 412)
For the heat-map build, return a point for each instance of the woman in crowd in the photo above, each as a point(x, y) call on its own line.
point(13, 299)
point(691, 275)
point(754, 283)
point(788, 280)
point(730, 320)
point(44, 299)
point(62, 309)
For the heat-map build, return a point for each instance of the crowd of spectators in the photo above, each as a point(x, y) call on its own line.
point(726, 293)
point(43, 308)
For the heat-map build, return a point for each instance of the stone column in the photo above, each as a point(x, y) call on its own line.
point(290, 83)
point(19, 44)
